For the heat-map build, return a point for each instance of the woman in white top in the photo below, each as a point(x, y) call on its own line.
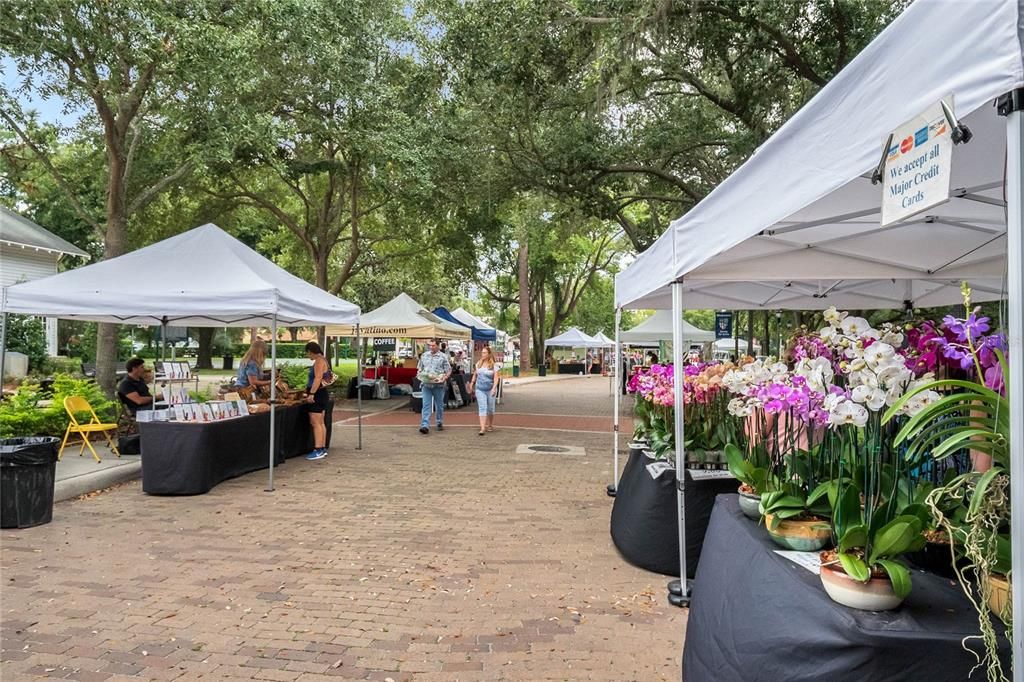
point(485, 383)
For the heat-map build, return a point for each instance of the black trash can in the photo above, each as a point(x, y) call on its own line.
point(229, 362)
point(542, 370)
point(28, 467)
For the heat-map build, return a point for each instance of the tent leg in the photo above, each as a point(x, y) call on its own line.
point(617, 363)
point(1015, 353)
point(273, 398)
point(679, 590)
point(3, 339)
point(359, 387)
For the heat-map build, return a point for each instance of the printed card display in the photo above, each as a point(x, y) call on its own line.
point(809, 560)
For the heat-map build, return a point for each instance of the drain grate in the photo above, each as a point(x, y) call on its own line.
point(548, 449)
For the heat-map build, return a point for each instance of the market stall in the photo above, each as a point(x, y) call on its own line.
point(779, 217)
point(228, 285)
point(574, 338)
point(190, 459)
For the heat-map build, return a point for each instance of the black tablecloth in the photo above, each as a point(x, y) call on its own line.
point(577, 368)
point(190, 459)
point(757, 616)
point(645, 516)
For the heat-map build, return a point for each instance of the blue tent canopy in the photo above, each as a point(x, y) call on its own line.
point(477, 333)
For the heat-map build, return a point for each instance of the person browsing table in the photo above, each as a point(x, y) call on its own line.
point(433, 371)
point(133, 391)
point(485, 383)
point(320, 376)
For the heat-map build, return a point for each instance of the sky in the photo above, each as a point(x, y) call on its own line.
point(50, 110)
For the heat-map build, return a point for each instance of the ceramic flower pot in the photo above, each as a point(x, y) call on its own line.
point(750, 504)
point(999, 594)
point(874, 595)
point(802, 536)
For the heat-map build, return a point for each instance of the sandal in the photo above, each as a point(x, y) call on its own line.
point(480, 434)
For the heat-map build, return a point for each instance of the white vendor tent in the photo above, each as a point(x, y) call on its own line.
point(200, 278)
point(802, 218)
point(658, 327)
point(466, 317)
point(604, 340)
point(402, 317)
point(573, 338)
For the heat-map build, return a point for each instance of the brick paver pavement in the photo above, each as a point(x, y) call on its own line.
point(440, 557)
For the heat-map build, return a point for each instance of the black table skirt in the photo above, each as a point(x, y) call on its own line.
point(577, 368)
point(757, 616)
point(190, 459)
point(645, 516)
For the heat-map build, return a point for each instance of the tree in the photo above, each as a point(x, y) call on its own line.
point(131, 61)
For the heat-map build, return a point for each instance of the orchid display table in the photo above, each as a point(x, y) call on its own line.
point(756, 615)
point(190, 459)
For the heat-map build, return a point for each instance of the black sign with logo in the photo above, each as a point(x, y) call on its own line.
point(383, 344)
point(723, 325)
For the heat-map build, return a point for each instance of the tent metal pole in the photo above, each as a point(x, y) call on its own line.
point(273, 396)
point(359, 386)
point(1015, 354)
point(617, 362)
point(679, 594)
point(3, 338)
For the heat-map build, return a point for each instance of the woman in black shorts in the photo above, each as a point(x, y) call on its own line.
point(320, 376)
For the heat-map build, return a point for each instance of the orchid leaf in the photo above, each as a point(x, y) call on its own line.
point(854, 566)
point(855, 536)
point(895, 537)
point(899, 575)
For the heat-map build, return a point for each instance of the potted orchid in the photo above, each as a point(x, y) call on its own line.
point(973, 508)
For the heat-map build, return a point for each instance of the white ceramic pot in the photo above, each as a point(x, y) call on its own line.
point(750, 505)
point(874, 595)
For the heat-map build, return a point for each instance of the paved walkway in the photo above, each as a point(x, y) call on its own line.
point(439, 557)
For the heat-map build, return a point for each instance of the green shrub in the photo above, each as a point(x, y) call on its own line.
point(61, 365)
point(20, 416)
point(27, 335)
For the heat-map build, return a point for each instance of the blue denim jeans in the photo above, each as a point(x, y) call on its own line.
point(485, 402)
point(433, 398)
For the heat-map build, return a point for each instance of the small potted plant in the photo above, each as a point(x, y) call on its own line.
point(796, 521)
point(751, 478)
point(863, 572)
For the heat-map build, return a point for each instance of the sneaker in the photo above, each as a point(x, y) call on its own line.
point(424, 430)
point(440, 427)
point(316, 454)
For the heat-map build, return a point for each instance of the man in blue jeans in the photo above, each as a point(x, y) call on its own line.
point(434, 364)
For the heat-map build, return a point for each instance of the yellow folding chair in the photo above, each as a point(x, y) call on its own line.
point(75, 405)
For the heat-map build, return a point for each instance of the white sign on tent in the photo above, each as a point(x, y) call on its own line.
point(917, 165)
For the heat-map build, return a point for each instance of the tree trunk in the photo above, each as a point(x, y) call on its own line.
point(205, 359)
point(750, 333)
point(114, 246)
point(293, 334)
point(525, 328)
point(766, 345)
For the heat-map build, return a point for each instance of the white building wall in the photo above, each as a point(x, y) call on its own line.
point(19, 264)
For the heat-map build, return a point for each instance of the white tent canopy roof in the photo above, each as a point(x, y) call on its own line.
point(573, 338)
point(402, 317)
point(605, 341)
point(658, 327)
point(804, 204)
point(200, 278)
point(466, 317)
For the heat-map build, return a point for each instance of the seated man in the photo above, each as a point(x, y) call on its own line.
point(133, 390)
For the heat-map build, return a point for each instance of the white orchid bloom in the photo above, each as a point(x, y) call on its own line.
point(893, 338)
point(828, 334)
point(878, 354)
point(855, 326)
point(833, 316)
point(848, 412)
point(832, 400)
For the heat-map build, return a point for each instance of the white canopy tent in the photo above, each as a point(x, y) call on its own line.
point(402, 317)
point(604, 340)
point(573, 338)
point(466, 317)
point(200, 278)
point(658, 327)
point(803, 205)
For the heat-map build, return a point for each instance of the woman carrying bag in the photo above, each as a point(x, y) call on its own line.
point(485, 383)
